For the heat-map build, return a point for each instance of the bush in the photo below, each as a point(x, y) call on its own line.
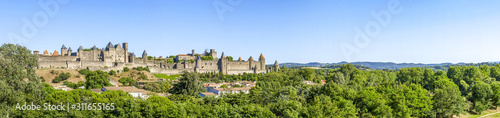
point(132, 83)
point(84, 71)
point(140, 68)
point(143, 77)
point(73, 85)
point(61, 77)
point(165, 76)
point(207, 58)
point(96, 79)
point(125, 69)
point(112, 72)
point(125, 80)
point(169, 61)
point(43, 80)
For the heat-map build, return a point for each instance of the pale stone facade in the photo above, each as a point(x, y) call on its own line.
point(116, 57)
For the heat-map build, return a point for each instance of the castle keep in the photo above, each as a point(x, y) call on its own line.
point(116, 57)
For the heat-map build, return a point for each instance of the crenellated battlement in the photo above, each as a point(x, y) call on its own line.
point(116, 57)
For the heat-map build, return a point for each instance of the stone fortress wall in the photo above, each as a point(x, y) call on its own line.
point(116, 57)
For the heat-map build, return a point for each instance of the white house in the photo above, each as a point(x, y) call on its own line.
point(134, 92)
point(222, 91)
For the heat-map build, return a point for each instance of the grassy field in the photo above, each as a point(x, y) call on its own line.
point(165, 76)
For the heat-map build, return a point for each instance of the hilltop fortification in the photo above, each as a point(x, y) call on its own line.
point(116, 57)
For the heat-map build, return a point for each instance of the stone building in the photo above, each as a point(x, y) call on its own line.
point(116, 57)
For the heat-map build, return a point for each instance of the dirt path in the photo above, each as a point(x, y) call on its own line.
point(113, 82)
point(489, 114)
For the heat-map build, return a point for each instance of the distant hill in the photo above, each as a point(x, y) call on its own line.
point(380, 65)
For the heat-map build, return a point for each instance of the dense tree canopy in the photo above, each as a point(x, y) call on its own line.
point(18, 81)
point(348, 92)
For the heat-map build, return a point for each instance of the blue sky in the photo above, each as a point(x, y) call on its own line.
point(287, 31)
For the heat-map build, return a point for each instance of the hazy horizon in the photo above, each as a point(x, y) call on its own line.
point(427, 32)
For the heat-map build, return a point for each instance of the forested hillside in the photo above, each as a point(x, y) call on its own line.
point(386, 65)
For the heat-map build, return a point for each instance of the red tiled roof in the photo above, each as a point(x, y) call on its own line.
point(55, 53)
point(209, 94)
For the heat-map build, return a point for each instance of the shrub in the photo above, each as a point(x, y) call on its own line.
point(125, 80)
point(207, 58)
point(61, 77)
point(140, 68)
point(144, 77)
point(125, 69)
point(112, 72)
point(84, 71)
point(132, 83)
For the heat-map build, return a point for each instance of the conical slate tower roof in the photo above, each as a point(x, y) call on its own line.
point(63, 47)
point(110, 45)
point(223, 55)
point(80, 48)
point(144, 53)
point(70, 49)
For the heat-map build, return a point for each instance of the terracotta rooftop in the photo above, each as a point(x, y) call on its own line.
point(127, 89)
point(261, 56)
point(96, 90)
point(46, 52)
point(209, 94)
point(232, 89)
